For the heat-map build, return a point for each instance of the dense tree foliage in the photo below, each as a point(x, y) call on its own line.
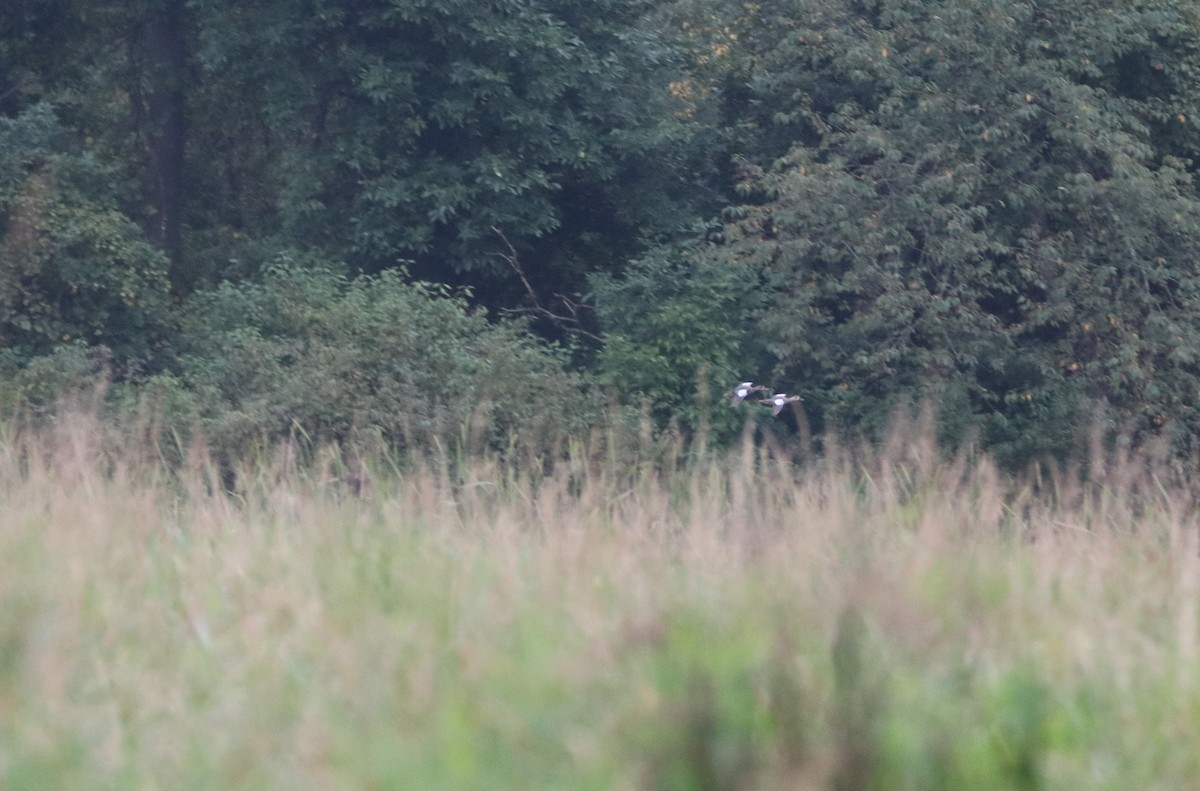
point(984, 203)
point(72, 265)
point(396, 129)
point(990, 205)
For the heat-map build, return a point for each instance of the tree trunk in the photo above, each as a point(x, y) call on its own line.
point(166, 52)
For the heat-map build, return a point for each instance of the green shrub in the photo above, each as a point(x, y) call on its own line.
point(32, 389)
point(679, 332)
point(312, 353)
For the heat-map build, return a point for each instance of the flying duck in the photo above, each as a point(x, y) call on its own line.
point(779, 401)
point(741, 391)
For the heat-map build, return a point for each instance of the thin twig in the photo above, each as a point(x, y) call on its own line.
point(570, 323)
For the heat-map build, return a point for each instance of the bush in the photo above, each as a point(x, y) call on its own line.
point(678, 332)
point(312, 353)
point(32, 389)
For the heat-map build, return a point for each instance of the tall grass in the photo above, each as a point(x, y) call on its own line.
point(882, 619)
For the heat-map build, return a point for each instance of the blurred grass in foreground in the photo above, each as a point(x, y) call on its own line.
point(888, 622)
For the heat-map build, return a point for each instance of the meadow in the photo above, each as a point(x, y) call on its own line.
point(870, 619)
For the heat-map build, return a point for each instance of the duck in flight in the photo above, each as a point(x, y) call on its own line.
point(737, 394)
point(778, 401)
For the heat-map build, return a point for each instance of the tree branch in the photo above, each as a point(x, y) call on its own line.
point(571, 323)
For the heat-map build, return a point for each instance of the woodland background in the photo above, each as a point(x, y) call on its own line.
point(399, 220)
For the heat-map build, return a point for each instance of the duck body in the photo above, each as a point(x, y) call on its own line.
point(742, 391)
point(778, 401)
